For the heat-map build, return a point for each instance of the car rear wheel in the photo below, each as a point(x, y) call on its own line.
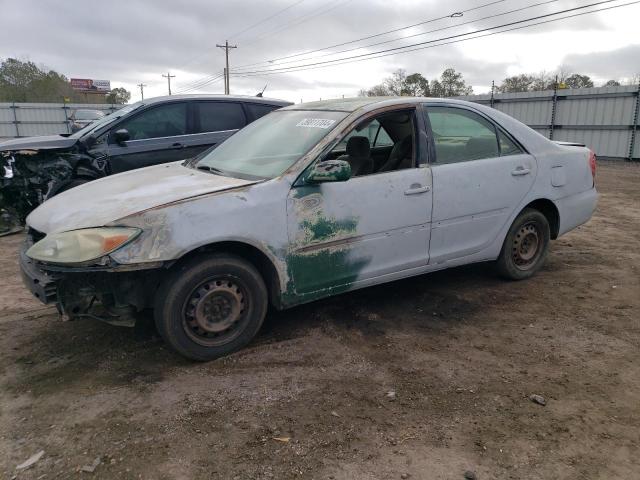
point(526, 246)
point(210, 306)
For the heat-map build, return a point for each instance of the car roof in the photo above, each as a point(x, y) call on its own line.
point(355, 103)
point(219, 97)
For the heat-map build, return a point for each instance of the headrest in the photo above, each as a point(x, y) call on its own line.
point(358, 147)
point(482, 147)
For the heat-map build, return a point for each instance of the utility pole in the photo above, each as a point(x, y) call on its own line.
point(226, 47)
point(168, 76)
point(142, 85)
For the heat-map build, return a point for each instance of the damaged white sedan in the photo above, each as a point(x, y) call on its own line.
point(309, 201)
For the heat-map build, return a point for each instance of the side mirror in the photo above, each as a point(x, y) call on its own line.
point(330, 171)
point(121, 136)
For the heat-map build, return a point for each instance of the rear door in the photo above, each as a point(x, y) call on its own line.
point(158, 134)
point(214, 122)
point(480, 175)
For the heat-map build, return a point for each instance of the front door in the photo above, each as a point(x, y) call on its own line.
point(362, 230)
point(158, 134)
point(480, 175)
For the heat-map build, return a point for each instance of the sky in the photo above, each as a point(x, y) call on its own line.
point(135, 41)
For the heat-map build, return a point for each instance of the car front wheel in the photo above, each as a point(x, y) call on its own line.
point(526, 246)
point(210, 306)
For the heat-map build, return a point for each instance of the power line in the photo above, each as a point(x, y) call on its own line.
point(168, 76)
point(201, 83)
point(451, 15)
point(384, 42)
point(303, 18)
point(197, 57)
point(380, 54)
point(266, 19)
point(198, 81)
point(397, 49)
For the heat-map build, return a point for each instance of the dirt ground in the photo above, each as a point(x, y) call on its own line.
point(461, 349)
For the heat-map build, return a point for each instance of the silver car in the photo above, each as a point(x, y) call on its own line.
point(309, 201)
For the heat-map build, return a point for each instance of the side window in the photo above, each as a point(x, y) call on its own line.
point(460, 135)
point(507, 146)
point(219, 116)
point(163, 121)
point(256, 110)
point(382, 138)
point(377, 135)
point(393, 129)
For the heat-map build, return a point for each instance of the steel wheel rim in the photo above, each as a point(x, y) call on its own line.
point(215, 312)
point(527, 245)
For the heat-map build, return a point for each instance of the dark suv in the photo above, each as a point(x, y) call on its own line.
point(156, 130)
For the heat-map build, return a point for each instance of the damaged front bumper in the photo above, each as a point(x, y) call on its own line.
point(42, 285)
point(114, 294)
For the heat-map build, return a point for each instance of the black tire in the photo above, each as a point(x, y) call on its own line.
point(210, 306)
point(525, 247)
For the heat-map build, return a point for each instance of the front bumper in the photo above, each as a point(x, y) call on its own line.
point(41, 284)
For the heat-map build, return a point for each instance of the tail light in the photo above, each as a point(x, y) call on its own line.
point(592, 164)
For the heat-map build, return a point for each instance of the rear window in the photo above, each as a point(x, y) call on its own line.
point(256, 111)
point(219, 116)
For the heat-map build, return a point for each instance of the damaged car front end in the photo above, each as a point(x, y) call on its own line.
point(74, 272)
point(31, 176)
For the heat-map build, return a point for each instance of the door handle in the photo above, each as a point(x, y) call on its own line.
point(414, 190)
point(177, 146)
point(520, 171)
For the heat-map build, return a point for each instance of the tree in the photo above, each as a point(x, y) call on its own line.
point(26, 82)
point(118, 96)
point(451, 84)
point(542, 81)
point(415, 85)
point(396, 82)
point(376, 91)
point(517, 83)
point(576, 80)
point(612, 83)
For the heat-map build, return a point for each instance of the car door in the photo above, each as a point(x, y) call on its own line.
point(480, 175)
point(364, 229)
point(158, 134)
point(214, 122)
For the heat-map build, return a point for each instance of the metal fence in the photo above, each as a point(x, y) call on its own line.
point(30, 119)
point(605, 119)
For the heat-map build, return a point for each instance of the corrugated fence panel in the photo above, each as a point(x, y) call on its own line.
point(601, 118)
point(41, 118)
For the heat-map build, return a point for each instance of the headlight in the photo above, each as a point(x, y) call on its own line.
point(80, 246)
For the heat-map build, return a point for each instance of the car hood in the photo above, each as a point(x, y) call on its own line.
point(109, 199)
point(47, 142)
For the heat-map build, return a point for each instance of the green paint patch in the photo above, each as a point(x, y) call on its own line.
point(323, 271)
point(322, 228)
point(320, 274)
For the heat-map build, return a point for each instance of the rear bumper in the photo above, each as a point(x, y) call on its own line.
point(42, 285)
point(576, 209)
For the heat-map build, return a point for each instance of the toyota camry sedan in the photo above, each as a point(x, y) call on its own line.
point(309, 201)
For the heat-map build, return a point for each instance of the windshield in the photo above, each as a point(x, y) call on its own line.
point(271, 144)
point(106, 120)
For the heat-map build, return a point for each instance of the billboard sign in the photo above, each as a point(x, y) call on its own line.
point(90, 85)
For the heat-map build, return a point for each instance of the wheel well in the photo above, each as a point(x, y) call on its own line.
point(550, 211)
point(254, 256)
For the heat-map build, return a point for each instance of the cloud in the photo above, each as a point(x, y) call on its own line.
point(136, 41)
point(621, 63)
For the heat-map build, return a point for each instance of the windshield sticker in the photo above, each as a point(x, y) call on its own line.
point(315, 123)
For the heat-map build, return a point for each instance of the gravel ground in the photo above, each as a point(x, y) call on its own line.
point(425, 378)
